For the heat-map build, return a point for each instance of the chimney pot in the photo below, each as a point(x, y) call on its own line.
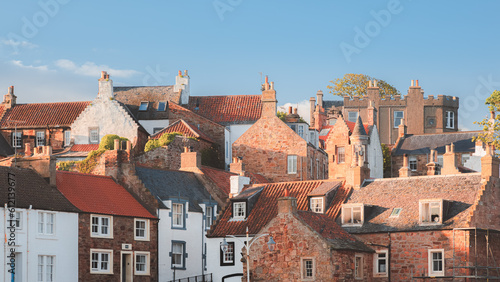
point(272, 84)
point(287, 205)
point(295, 111)
point(180, 73)
point(287, 193)
point(11, 90)
point(412, 83)
point(416, 82)
point(185, 72)
point(374, 83)
point(103, 74)
point(27, 149)
point(369, 83)
point(290, 110)
point(129, 145)
point(116, 144)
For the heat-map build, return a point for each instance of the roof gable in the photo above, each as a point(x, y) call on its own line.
point(231, 109)
point(132, 96)
point(185, 128)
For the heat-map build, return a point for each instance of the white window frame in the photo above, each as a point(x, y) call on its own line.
point(316, 204)
point(145, 237)
point(413, 163)
point(425, 212)
point(146, 263)
point(178, 216)
point(18, 220)
point(376, 263)
point(157, 129)
point(340, 155)
point(395, 212)
point(39, 138)
point(209, 216)
point(304, 274)
point(99, 269)
point(100, 225)
point(17, 139)
point(352, 116)
point(398, 118)
point(44, 268)
point(67, 138)
point(228, 256)
point(143, 106)
point(300, 130)
point(182, 255)
point(292, 164)
point(348, 214)
point(432, 272)
point(94, 135)
point(450, 119)
point(46, 221)
point(358, 267)
point(239, 210)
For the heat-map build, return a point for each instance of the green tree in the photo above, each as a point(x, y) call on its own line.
point(355, 85)
point(386, 152)
point(491, 125)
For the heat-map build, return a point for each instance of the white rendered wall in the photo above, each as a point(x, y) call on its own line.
point(149, 125)
point(63, 245)
point(235, 131)
point(213, 259)
point(375, 155)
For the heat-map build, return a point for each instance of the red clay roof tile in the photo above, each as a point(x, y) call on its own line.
point(84, 147)
point(227, 109)
point(185, 128)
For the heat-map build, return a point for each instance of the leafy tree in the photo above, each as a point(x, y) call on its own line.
point(355, 85)
point(386, 152)
point(491, 126)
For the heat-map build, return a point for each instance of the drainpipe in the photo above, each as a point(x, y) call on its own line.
point(27, 240)
point(203, 255)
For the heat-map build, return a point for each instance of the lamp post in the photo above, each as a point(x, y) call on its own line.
point(270, 244)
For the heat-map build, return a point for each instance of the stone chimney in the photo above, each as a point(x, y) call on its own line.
point(287, 205)
point(432, 166)
point(9, 99)
point(237, 166)
point(489, 164)
point(27, 149)
point(237, 183)
point(312, 109)
point(269, 101)
point(372, 114)
point(190, 161)
point(450, 161)
point(373, 91)
point(405, 171)
point(402, 129)
point(105, 86)
point(182, 84)
point(319, 95)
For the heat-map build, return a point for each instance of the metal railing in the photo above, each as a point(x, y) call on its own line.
point(199, 278)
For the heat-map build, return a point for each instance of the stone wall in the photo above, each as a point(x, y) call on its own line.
point(422, 161)
point(53, 137)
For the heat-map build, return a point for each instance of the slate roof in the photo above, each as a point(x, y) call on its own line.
point(185, 128)
point(132, 96)
point(32, 189)
point(422, 144)
point(327, 104)
point(43, 114)
point(327, 228)
point(233, 109)
point(99, 194)
point(173, 184)
point(5, 148)
point(383, 195)
point(265, 207)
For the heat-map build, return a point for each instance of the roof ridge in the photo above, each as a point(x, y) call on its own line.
point(243, 95)
point(84, 174)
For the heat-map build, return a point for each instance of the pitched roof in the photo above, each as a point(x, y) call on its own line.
point(352, 126)
point(265, 208)
point(84, 147)
point(222, 178)
point(43, 114)
point(32, 190)
point(358, 129)
point(422, 144)
point(383, 195)
point(133, 96)
point(327, 104)
point(181, 111)
point(231, 109)
point(185, 128)
point(174, 184)
point(5, 148)
point(99, 194)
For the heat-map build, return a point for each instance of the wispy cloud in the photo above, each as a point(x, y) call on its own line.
point(31, 67)
point(303, 109)
point(13, 43)
point(92, 69)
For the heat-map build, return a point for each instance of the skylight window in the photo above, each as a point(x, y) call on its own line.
point(395, 212)
point(144, 106)
point(161, 106)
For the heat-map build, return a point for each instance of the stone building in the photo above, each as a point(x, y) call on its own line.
point(273, 149)
point(421, 115)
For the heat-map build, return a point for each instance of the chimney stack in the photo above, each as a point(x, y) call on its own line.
point(287, 205)
point(269, 101)
point(405, 171)
point(182, 85)
point(237, 166)
point(489, 164)
point(402, 129)
point(105, 86)
point(312, 110)
point(449, 161)
point(9, 99)
point(319, 95)
point(190, 161)
point(27, 149)
point(237, 183)
point(372, 114)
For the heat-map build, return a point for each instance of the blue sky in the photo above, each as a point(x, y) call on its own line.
point(54, 50)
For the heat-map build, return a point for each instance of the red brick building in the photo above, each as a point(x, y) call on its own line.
point(118, 237)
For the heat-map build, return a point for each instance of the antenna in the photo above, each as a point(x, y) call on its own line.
point(260, 77)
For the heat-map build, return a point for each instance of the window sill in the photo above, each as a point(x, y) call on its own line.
point(95, 272)
point(141, 239)
point(178, 228)
point(178, 268)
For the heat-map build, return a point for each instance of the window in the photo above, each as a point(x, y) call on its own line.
point(157, 129)
point(178, 254)
point(395, 212)
point(209, 215)
point(465, 158)
point(380, 267)
point(46, 223)
point(413, 163)
point(141, 263)
point(352, 116)
point(239, 210)
point(141, 229)
point(94, 135)
point(177, 215)
point(40, 138)
point(307, 269)
point(430, 212)
point(161, 106)
point(292, 164)
point(317, 169)
point(398, 117)
point(300, 130)
point(101, 261)
point(352, 214)
point(227, 258)
point(440, 160)
point(17, 141)
point(358, 267)
point(316, 204)
point(340, 155)
point(67, 138)
point(18, 220)
point(436, 262)
point(143, 106)
point(45, 268)
point(102, 226)
point(450, 119)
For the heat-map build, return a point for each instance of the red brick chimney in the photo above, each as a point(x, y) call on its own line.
point(372, 114)
point(449, 161)
point(373, 91)
point(405, 171)
point(269, 101)
point(401, 129)
point(237, 166)
point(489, 164)
point(287, 205)
point(190, 161)
point(27, 149)
point(432, 166)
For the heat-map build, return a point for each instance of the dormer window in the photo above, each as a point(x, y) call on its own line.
point(316, 204)
point(144, 106)
point(352, 214)
point(431, 212)
point(161, 106)
point(239, 210)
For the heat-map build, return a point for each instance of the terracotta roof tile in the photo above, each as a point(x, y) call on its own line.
point(43, 114)
point(266, 207)
point(99, 194)
point(351, 126)
point(185, 128)
point(84, 147)
point(174, 108)
point(227, 109)
point(222, 178)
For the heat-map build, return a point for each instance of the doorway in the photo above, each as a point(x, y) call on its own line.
point(126, 267)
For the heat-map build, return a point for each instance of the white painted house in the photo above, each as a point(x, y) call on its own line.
point(44, 227)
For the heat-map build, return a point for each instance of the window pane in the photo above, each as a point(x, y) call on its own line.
point(161, 106)
point(144, 106)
